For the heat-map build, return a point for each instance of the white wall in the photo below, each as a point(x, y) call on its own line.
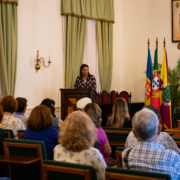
point(39, 28)
point(143, 20)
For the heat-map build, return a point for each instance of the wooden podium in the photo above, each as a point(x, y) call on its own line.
point(69, 98)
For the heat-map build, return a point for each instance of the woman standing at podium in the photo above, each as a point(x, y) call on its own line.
point(85, 80)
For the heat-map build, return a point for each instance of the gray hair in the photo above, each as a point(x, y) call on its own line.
point(145, 123)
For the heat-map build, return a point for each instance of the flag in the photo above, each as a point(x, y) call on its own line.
point(165, 97)
point(155, 98)
point(149, 76)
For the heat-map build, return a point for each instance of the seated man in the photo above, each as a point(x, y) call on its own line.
point(22, 104)
point(148, 155)
point(164, 139)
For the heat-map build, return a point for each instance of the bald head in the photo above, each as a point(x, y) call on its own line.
point(145, 124)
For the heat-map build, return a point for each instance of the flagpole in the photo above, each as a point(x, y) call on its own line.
point(164, 43)
point(157, 44)
point(148, 43)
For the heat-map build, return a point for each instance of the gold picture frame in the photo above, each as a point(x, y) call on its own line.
point(175, 20)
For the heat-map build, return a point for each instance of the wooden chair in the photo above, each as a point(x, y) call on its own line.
point(105, 97)
point(113, 96)
point(10, 133)
point(126, 96)
point(117, 136)
point(20, 134)
point(53, 170)
point(176, 131)
point(23, 152)
point(118, 153)
point(124, 174)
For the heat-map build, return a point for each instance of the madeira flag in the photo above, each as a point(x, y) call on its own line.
point(149, 76)
point(155, 98)
point(165, 96)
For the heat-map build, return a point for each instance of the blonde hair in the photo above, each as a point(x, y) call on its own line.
point(77, 132)
point(94, 112)
point(119, 113)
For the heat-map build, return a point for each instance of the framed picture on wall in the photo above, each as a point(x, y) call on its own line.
point(175, 20)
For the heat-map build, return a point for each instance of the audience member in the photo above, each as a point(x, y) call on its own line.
point(39, 128)
point(81, 103)
point(50, 103)
point(10, 105)
point(76, 138)
point(22, 104)
point(148, 155)
point(120, 115)
point(3, 133)
point(94, 112)
point(163, 139)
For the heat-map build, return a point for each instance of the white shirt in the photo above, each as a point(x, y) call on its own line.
point(89, 156)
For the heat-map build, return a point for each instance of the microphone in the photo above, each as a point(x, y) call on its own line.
point(72, 86)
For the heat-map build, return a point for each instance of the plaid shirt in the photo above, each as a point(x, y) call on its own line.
point(89, 84)
point(164, 140)
point(150, 156)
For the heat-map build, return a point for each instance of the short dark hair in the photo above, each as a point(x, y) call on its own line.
point(49, 103)
point(40, 118)
point(82, 66)
point(9, 104)
point(154, 109)
point(22, 103)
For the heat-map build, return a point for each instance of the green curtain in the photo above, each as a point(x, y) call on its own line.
point(102, 10)
point(74, 48)
point(8, 45)
point(105, 53)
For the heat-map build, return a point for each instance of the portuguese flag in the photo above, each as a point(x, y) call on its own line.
point(155, 95)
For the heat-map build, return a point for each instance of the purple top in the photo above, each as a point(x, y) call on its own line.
point(102, 139)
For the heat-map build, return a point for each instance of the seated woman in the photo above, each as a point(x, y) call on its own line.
point(76, 138)
point(164, 139)
point(120, 115)
point(10, 105)
point(39, 128)
point(51, 103)
point(94, 112)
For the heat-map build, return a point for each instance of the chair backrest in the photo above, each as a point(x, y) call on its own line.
point(53, 170)
point(126, 96)
point(27, 148)
point(20, 134)
point(117, 136)
point(124, 174)
point(10, 133)
point(105, 97)
point(97, 99)
point(113, 96)
point(118, 153)
point(96, 144)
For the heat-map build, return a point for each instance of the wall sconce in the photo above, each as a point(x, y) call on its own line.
point(40, 60)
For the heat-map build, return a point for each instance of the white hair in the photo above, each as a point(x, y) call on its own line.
point(83, 102)
point(145, 123)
